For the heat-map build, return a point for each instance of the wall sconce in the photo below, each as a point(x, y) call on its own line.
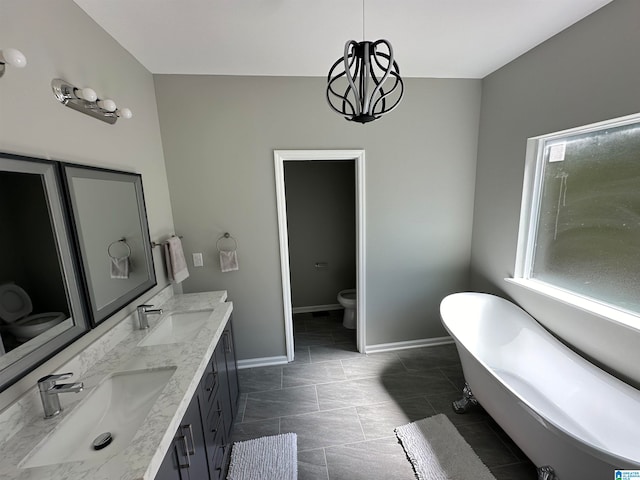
point(86, 100)
point(13, 57)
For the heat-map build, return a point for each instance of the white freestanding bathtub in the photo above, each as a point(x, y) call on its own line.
point(560, 409)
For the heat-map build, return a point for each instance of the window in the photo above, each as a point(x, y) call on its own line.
point(580, 221)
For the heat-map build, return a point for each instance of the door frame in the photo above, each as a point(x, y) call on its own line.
point(281, 156)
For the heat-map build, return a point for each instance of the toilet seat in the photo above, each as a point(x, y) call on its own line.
point(16, 308)
point(14, 303)
point(348, 297)
point(29, 327)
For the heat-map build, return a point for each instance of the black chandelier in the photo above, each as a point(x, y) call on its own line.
point(356, 90)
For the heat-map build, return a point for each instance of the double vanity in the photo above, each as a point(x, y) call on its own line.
point(157, 403)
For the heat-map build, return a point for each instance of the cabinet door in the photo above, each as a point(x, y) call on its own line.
point(209, 384)
point(223, 391)
point(232, 368)
point(174, 466)
point(186, 458)
point(191, 430)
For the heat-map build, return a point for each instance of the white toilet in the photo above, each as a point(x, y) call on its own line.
point(15, 311)
point(349, 300)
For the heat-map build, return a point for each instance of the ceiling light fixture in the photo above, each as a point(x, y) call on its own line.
point(355, 82)
point(86, 100)
point(13, 57)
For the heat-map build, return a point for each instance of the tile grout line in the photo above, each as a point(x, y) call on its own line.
point(344, 372)
point(448, 379)
point(315, 387)
point(313, 412)
point(244, 409)
point(364, 435)
point(326, 462)
point(388, 437)
point(402, 363)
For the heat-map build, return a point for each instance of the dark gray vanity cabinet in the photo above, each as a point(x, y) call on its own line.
point(232, 368)
point(187, 456)
point(221, 403)
point(201, 447)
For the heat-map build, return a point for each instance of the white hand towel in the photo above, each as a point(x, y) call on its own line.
point(120, 267)
point(228, 260)
point(176, 263)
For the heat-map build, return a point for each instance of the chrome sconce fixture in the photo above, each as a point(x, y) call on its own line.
point(86, 100)
point(13, 57)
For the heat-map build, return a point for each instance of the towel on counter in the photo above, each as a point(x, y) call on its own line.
point(228, 260)
point(176, 263)
point(120, 267)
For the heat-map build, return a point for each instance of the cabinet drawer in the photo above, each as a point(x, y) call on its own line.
point(209, 386)
point(214, 417)
point(217, 449)
point(220, 455)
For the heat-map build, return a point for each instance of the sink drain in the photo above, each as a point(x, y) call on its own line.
point(102, 440)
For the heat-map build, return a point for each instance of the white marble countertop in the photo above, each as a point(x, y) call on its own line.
point(142, 458)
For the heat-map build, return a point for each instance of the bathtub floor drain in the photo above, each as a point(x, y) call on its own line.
point(102, 440)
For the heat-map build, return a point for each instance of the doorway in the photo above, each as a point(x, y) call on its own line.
point(281, 156)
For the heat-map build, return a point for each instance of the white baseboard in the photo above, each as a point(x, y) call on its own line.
point(425, 342)
point(381, 347)
point(262, 362)
point(317, 308)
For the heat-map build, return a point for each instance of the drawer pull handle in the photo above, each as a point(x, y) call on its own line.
point(191, 451)
point(225, 341)
point(186, 451)
point(224, 451)
point(213, 382)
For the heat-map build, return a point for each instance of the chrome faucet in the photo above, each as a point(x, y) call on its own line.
point(143, 312)
point(49, 391)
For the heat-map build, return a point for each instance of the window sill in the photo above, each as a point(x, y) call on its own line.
point(607, 312)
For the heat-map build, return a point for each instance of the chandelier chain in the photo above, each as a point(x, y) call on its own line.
point(363, 32)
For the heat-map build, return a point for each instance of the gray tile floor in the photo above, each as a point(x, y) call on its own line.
point(343, 406)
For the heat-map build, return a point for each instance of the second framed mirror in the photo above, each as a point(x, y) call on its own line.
point(112, 235)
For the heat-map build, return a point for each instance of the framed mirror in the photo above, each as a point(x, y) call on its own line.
point(41, 309)
point(112, 235)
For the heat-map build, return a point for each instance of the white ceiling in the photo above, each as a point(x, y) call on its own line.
point(431, 38)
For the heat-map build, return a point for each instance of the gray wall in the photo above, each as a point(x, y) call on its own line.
point(321, 223)
point(219, 134)
point(60, 40)
point(588, 73)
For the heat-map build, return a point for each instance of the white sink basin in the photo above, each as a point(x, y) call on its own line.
point(118, 405)
point(177, 327)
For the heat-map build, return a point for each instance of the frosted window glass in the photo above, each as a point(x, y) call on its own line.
point(588, 230)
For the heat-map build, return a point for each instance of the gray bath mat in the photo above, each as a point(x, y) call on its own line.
point(273, 458)
point(437, 451)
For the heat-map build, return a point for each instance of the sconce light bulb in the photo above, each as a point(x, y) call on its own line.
point(107, 105)
point(124, 113)
point(87, 93)
point(13, 57)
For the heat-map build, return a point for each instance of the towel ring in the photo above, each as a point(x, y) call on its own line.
point(123, 240)
point(225, 236)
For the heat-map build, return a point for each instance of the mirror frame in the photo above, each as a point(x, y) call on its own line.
point(67, 256)
point(71, 171)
